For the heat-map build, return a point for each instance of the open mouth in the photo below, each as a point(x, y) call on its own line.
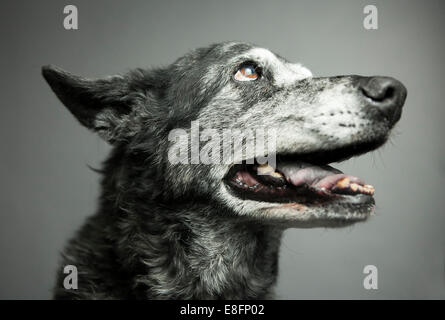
point(302, 178)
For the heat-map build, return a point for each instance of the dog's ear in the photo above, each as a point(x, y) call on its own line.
point(107, 106)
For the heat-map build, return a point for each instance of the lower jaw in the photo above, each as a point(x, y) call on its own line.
point(295, 215)
point(310, 210)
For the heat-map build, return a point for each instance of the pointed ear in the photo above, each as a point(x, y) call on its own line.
point(109, 106)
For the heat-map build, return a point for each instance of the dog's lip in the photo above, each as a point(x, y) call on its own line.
point(337, 154)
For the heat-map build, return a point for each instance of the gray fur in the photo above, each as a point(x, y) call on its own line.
point(166, 231)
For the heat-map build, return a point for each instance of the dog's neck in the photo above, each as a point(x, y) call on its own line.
point(200, 253)
point(174, 250)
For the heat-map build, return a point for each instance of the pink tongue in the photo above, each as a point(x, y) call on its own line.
point(301, 173)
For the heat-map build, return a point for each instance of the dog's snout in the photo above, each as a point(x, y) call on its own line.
point(385, 94)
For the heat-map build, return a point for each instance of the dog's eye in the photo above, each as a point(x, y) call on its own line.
point(247, 73)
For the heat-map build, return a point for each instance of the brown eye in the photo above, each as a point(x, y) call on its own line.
point(246, 73)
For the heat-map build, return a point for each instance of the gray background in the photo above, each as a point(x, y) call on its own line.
point(47, 190)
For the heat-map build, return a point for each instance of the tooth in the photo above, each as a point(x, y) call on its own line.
point(265, 169)
point(354, 187)
point(343, 183)
point(276, 174)
point(369, 189)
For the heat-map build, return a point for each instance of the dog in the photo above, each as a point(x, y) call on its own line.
point(168, 230)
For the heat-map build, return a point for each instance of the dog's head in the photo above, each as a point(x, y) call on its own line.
point(191, 132)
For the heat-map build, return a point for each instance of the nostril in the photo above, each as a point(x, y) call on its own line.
point(389, 94)
point(378, 89)
point(385, 94)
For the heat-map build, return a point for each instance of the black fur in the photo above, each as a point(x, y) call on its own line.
point(161, 231)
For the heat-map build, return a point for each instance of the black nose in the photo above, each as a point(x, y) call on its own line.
point(385, 94)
